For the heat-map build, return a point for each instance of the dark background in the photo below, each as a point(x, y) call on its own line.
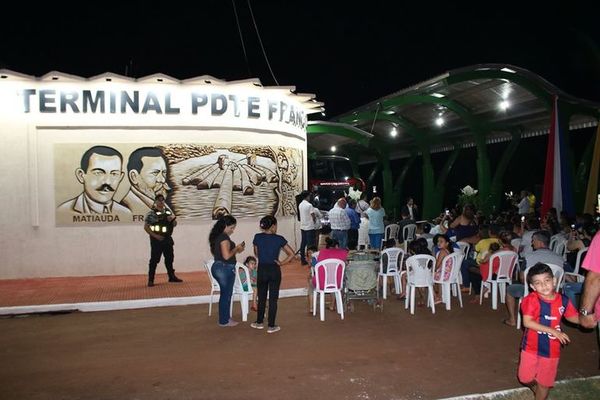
point(347, 53)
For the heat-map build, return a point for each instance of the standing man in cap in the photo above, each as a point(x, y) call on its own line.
point(159, 224)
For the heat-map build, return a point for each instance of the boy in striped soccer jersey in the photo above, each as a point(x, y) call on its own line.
point(542, 311)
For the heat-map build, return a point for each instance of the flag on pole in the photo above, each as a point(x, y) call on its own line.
point(592, 189)
point(558, 185)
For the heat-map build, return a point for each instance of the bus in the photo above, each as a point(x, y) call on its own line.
point(329, 178)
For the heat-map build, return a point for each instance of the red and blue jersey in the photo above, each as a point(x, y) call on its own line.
point(548, 313)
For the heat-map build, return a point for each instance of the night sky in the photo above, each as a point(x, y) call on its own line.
point(347, 53)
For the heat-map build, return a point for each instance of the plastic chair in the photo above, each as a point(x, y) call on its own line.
point(244, 293)
point(451, 262)
point(214, 285)
point(391, 232)
point(555, 240)
point(507, 261)
point(419, 273)
point(329, 276)
point(516, 244)
point(465, 248)
point(409, 232)
point(430, 244)
point(575, 274)
point(395, 257)
point(558, 273)
point(561, 248)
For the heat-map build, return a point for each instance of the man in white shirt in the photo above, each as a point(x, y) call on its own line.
point(307, 224)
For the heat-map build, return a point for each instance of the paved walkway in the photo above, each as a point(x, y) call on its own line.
point(119, 291)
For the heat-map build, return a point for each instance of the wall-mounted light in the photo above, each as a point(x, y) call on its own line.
point(439, 121)
point(503, 105)
point(394, 132)
point(333, 149)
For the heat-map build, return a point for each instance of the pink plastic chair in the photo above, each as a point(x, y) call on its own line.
point(328, 278)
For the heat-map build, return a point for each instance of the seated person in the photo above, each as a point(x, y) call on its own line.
point(424, 230)
point(311, 251)
point(415, 247)
point(578, 239)
point(540, 241)
point(406, 220)
point(332, 250)
point(470, 269)
point(445, 247)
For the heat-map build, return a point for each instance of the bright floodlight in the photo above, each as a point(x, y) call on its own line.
point(333, 149)
point(346, 178)
point(394, 132)
point(504, 104)
point(439, 121)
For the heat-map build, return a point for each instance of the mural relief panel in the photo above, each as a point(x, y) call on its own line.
point(117, 183)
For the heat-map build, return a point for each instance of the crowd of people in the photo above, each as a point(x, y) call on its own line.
point(545, 246)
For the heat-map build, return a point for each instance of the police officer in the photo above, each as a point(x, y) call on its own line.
point(159, 224)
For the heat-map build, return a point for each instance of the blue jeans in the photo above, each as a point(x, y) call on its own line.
point(308, 239)
point(224, 273)
point(375, 239)
point(466, 276)
point(571, 290)
point(341, 236)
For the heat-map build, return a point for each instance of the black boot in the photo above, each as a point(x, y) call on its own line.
point(150, 278)
point(173, 278)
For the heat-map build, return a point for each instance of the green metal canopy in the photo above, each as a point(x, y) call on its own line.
point(466, 107)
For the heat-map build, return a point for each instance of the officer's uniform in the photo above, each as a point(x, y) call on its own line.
point(160, 225)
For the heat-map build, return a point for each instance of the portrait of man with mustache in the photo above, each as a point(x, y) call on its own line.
point(147, 173)
point(100, 174)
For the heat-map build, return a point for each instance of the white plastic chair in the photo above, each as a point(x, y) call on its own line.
point(214, 285)
point(516, 244)
point(558, 273)
point(244, 294)
point(419, 273)
point(395, 257)
point(409, 232)
point(507, 261)
point(329, 277)
point(555, 240)
point(430, 244)
point(452, 262)
point(465, 248)
point(561, 248)
point(390, 232)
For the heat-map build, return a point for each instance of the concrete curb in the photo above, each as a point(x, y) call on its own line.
point(493, 395)
point(126, 304)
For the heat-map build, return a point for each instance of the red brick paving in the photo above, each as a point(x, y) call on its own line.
point(27, 292)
